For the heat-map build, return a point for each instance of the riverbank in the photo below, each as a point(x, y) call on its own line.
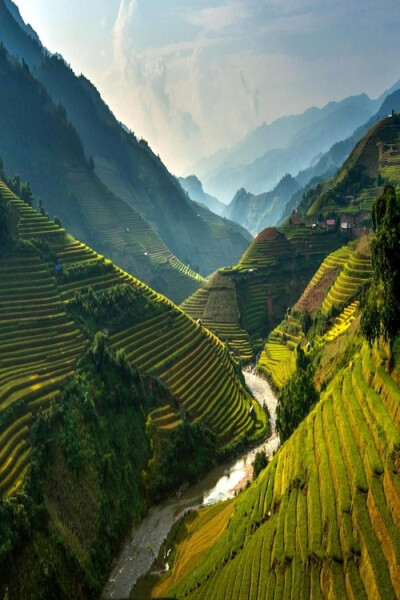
point(221, 483)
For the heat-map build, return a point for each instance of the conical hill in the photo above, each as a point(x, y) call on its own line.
point(270, 276)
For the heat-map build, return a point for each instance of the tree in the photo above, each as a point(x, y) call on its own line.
point(381, 304)
point(26, 193)
point(259, 463)
point(296, 399)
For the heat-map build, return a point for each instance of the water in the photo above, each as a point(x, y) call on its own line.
point(146, 538)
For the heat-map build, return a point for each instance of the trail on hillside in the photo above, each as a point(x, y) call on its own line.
point(223, 482)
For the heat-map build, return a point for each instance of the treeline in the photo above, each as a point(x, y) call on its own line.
point(113, 309)
point(85, 485)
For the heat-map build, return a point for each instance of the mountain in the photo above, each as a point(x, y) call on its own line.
point(322, 519)
point(192, 185)
point(287, 145)
point(38, 142)
point(127, 166)
point(328, 164)
point(374, 161)
point(240, 304)
point(256, 212)
point(101, 381)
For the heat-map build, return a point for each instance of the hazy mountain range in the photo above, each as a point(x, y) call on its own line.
point(288, 145)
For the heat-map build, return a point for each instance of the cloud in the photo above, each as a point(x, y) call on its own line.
point(120, 41)
point(220, 17)
point(193, 81)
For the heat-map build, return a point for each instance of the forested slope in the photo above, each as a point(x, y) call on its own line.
point(101, 382)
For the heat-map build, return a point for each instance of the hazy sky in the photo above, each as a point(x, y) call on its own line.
point(192, 76)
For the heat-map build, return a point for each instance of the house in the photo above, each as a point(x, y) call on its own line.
point(346, 228)
point(331, 224)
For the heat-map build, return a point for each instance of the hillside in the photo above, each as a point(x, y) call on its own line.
point(193, 186)
point(56, 294)
point(373, 161)
point(191, 362)
point(84, 204)
point(322, 520)
point(126, 165)
point(253, 296)
point(287, 145)
point(256, 212)
point(331, 299)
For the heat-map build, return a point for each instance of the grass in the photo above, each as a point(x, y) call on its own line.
point(40, 343)
point(321, 521)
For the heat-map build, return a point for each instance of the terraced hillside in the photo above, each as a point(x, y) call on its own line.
point(128, 239)
point(84, 135)
point(322, 521)
point(45, 275)
point(374, 161)
point(60, 173)
point(269, 277)
point(335, 286)
point(215, 305)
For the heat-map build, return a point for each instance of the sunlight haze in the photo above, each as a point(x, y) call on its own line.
point(192, 77)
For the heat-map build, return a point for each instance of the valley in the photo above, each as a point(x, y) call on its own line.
point(199, 374)
point(222, 483)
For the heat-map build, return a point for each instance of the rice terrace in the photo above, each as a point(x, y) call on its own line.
point(199, 300)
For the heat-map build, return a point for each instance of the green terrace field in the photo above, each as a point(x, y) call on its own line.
point(197, 369)
point(322, 520)
point(354, 274)
point(255, 294)
point(335, 285)
point(41, 339)
point(215, 304)
point(315, 292)
point(389, 160)
point(130, 241)
point(374, 160)
point(285, 261)
point(39, 342)
point(278, 359)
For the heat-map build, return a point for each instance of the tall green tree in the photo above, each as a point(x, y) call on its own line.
point(381, 310)
point(296, 398)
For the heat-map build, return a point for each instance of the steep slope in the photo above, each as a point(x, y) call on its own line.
point(322, 521)
point(192, 185)
point(331, 299)
point(269, 277)
point(55, 293)
point(285, 146)
point(125, 165)
point(38, 142)
point(373, 161)
point(256, 212)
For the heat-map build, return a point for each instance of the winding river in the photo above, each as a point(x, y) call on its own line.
point(146, 538)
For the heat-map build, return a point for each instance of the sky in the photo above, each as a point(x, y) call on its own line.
point(194, 76)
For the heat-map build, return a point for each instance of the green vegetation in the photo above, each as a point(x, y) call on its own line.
point(322, 519)
point(381, 312)
point(84, 486)
point(241, 303)
point(58, 278)
point(296, 398)
point(188, 453)
point(114, 309)
point(260, 462)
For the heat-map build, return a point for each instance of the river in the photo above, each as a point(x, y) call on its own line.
point(146, 538)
